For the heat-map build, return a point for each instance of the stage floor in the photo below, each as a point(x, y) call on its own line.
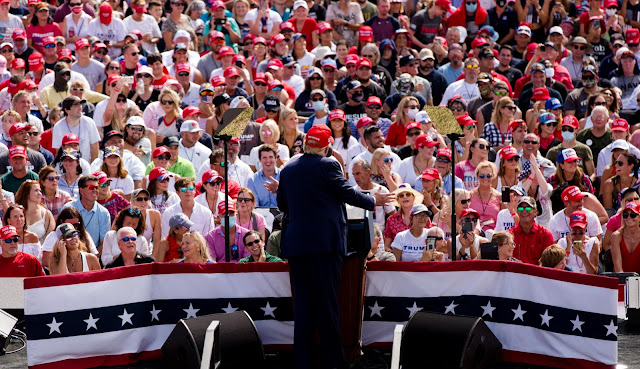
point(628, 356)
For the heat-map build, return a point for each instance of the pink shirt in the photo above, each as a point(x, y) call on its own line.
point(215, 242)
point(615, 222)
point(467, 173)
point(488, 211)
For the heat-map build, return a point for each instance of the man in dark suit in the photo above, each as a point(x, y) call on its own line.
point(312, 193)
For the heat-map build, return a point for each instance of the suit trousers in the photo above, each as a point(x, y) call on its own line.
point(315, 280)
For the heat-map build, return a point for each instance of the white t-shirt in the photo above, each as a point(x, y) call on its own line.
point(353, 16)
point(94, 72)
point(339, 147)
point(124, 184)
point(202, 200)
point(149, 25)
point(411, 247)
point(559, 225)
point(6, 28)
point(380, 210)
point(197, 154)
point(114, 32)
point(110, 249)
point(283, 152)
point(468, 91)
point(192, 97)
point(272, 17)
point(201, 217)
point(297, 83)
point(87, 133)
point(407, 171)
point(504, 221)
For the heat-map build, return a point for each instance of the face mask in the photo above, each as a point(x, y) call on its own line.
point(411, 113)
point(76, 9)
point(485, 91)
point(568, 136)
point(318, 105)
point(472, 7)
point(232, 221)
point(501, 3)
point(611, 12)
point(589, 83)
point(357, 97)
point(549, 72)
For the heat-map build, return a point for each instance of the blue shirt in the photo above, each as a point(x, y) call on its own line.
point(450, 73)
point(97, 221)
point(446, 183)
point(264, 198)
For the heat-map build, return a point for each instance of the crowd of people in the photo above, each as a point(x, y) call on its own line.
point(109, 154)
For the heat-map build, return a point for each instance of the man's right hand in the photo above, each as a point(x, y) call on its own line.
point(383, 199)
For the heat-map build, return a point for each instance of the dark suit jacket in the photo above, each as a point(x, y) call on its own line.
point(312, 193)
point(139, 259)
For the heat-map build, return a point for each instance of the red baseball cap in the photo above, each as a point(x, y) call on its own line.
point(287, 26)
point(632, 206)
point(65, 53)
point(412, 125)
point(17, 63)
point(430, 174)
point(425, 141)
point(224, 51)
point(319, 136)
point(444, 152)
point(36, 61)
point(540, 93)
point(260, 77)
point(17, 150)
point(478, 41)
point(102, 177)
point(620, 125)
point(231, 71)
point(70, 138)
point(632, 36)
point(508, 152)
point(259, 40)
point(572, 193)
point(364, 121)
point(17, 127)
point(336, 114)
point(105, 13)
point(223, 210)
point(48, 40)
point(274, 83)
point(610, 4)
point(579, 219)
point(352, 59)
point(324, 26)
point(571, 121)
point(466, 120)
point(469, 211)
point(99, 45)
point(158, 173)
point(278, 37)
point(183, 67)
point(81, 42)
point(189, 111)
point(517, 123)
point(364, 62)
point(374, 100)
point(27, 85)
point(19, 34)
point(8, 231)
point(216, 34)
point(13, 88)
point(275, 64)
point(217, 5)
point(159, 151)
point(239, 58)
point(444, 4)
point(211, 175)
point(218, 80)
point(365, 33)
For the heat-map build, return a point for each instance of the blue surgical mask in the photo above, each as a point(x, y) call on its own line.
point(568, 136)
point(472, 7)
point(232, 221)
point(318, 105)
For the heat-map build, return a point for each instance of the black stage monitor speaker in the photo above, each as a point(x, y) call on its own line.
point(432, 340)
point(7, 323)
point(239, 343)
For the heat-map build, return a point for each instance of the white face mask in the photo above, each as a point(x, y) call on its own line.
point(611, 12)
point(549, 72)
point(411, 113)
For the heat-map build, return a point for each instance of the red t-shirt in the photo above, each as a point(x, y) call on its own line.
point(38, 33)
point(309, 26)
point(21, 265)
point(529, 246)
point(46, 141)
point(159, 83)
point(396, 135)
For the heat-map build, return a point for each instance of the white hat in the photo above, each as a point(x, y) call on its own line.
point(181, 33)
point(135, 121)
point(556, 29)
point(620, 144)
point(524, 30)
point(300, 3)
point(618, 53)
point(463, 34)
point(422, 117)
point(236, 101)
point(190, 126)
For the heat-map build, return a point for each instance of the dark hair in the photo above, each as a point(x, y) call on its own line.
point(631, 160)
point(22, 195)
point(592, 100)
point(58, 159)
point(70, 213)
point(44, 173)
point(82, 182)
point(307, 85)
point(183, 182)
point(130, 212)
point(154, 57)
point(346, 134)
point(267, 148)
point(7, 215)
point(34, 20)
point(370, 131)
point(251, 233)
point(473, 144)
point(506, 47)
point(217, 153)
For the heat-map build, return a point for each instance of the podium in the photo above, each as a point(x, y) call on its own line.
point(352, 282)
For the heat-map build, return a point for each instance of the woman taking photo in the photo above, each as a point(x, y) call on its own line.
point(168, 250)
point(28, 241)
point(409, 244)
point(168, 124)
point(177, 21)
point(158, 187)
point(624, 242)
point(38, 218)
point(443, 218)
point(381, 172)
point(53, 198)
point(194, 249)
point(114, 167)
point(434, 197)
point(582, 250)
point(505, 246)
point(70, 171)
point(468, 127)
point(128, 217)
point(406, 113)
point(509, 168)
point(485, 199)
point(245, 216)
point(70, 254)
point(626, 175)
point(497, 131)
point(407, 197)
point(270, 135)
point(290, 135)
point(412, 167)
point(72, 216)
point(153, 228)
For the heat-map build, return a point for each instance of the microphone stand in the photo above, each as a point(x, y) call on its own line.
point(454, 137)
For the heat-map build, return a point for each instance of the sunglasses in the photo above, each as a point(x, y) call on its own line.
point(142, 199)
point(513, 159)
point(15, 239)
point(106, 184)
point(111, 67)
point(388, 160)
point(163, 180)
point(625, 215)
point(511, 107)
point(127, 239)
point(482, 176)
point(469, 128)
point(471, 66)
point(549, 124)
point(100, 52)
point(532, 142)
point(374, 107)
point(135, 53)
point(567, 129)
point(71, 236)
point(525, 208)
point(244, 199)
point(437, 238)
point(457, 108)
point(92, 187)
point(277, 89)
point(472, 219)
point(577, 47)
point(315, 78)
point(214, 184)
point(405, 194)
point(465, 201)
point(412, 107)
point(145, 75)
point(77, 89)
point(47, 46)
point(483, 147)
point(184, 189)
point(166, 102)
point(600, 103)
point(120, 100)
point(620, 163)
point(320, 99)
point(261, 84)
point(53, 178)
point(248, 43)
point(206, 93)
point(443, 160)
point(328, 70)
point(414, 134)
point(250, 243)
point(33, 134)
point(183, 74)
point(500, 93)
point(222, 163)
point(163, 157)
point(136, 128)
